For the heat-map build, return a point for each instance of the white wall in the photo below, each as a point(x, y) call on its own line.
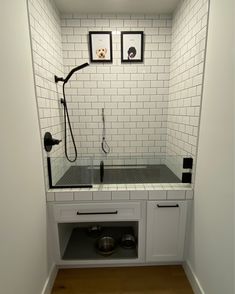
point(233, 57)
point(24, 261)
point(211, 248)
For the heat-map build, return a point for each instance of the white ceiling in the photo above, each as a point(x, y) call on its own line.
point(116, 6)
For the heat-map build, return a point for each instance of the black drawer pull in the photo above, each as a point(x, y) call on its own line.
point(167, 206)
point(91, 213)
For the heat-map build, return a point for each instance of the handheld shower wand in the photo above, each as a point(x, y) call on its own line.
point(66, 113)
point(104, 145)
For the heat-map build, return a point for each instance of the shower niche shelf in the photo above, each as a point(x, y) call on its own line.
point(78, 243)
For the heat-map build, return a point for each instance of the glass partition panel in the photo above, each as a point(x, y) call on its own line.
point(134, 170)
point(65, 174)
point(118, 170)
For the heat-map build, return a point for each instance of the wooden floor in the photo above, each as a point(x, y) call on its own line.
point(130, 280)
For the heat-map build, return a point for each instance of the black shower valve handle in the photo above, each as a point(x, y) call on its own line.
point(55, 142)
point(49, 141)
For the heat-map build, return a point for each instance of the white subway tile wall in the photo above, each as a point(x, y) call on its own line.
point(47, 61)
point(151, 108)
point(134, 96)
point(186, 77)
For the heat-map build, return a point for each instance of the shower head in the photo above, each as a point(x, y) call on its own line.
point(57, 79)
point(74, 70)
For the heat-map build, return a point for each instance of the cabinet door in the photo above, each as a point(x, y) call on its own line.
point(166, 222)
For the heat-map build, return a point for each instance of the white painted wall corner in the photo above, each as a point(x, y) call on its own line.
point(195, 284)
point(50, 280)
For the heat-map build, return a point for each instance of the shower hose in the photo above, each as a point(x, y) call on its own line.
point(66, 117)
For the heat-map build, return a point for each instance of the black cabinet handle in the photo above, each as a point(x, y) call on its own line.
point(93, 213)
point(167, 206)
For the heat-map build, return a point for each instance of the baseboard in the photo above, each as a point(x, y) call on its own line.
point(197, 288)
point(81, 266)
point(50, 280)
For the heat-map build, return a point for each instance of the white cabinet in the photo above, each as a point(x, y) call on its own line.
point(162, 242)
point(166, 222)
point(72, 243)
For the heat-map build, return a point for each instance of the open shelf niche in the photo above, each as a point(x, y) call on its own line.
point(76, 243)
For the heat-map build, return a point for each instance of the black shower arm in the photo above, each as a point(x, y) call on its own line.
point(74, 70)
point(57, 79)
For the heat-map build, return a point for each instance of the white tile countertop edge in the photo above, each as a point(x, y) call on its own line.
point(123, 192)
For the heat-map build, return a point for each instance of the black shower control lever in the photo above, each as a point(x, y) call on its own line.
point(49, 141)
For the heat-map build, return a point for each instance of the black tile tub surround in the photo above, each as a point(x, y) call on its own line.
point(119, 175)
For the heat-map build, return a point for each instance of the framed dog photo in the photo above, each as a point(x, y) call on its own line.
point(132, 46)
point(100, 44)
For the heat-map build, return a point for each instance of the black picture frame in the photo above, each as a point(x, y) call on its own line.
point(102, 41)
point(134, 40)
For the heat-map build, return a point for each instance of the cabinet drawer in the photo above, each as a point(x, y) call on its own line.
point(97, 212)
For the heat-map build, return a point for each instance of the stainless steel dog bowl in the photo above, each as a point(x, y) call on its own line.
point(106, 245)
point(128, 241)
